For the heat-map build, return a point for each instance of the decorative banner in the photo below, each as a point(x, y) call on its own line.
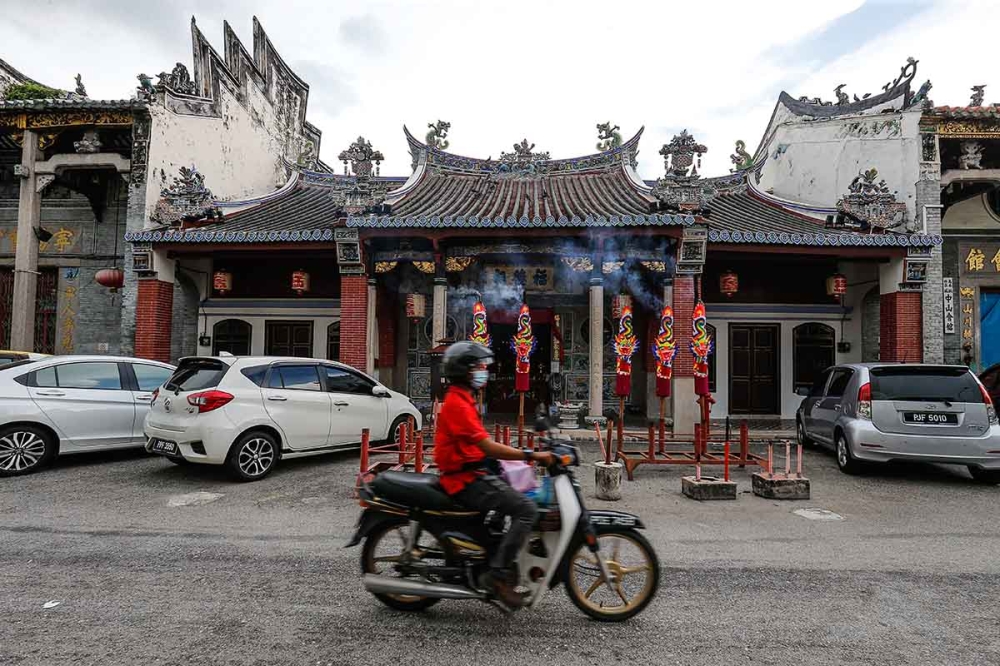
point(948, 293)
point(480, 333)
point(664, 350)
point(701, 348)
point(626, 345)
point(523, 343)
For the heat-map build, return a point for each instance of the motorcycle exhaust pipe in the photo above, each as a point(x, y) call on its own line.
point(417, 588)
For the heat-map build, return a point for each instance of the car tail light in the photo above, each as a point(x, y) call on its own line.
point(206, 401)
point(991, 411)
point(865, 402)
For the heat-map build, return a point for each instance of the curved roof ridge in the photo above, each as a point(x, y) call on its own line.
point(465, 163)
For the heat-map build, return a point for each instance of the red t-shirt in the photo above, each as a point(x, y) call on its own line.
point(459, 429)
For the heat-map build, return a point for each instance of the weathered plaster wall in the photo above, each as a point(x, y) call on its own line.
point(971, 215)
point(814, 161)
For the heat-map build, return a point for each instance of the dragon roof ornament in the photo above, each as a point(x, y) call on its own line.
point(846, 104)
point(871, 203)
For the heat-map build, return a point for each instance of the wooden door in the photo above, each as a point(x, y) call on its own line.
point(753, 369)
point(288, 338)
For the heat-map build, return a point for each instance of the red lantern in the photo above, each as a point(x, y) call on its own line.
point(222, 282)
point(618, 305)
point(729, 283)
point(113, 278)
point(416, 306)
point(836, 285)
point(300, 282)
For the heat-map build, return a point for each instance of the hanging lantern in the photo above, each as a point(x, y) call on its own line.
point(416, 306)
point(836, 285)
point(300, 282)
point(729, 283)
point(618, 305)
point(222, 282)
point(112, 278)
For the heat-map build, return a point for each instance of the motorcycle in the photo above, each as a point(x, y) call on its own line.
point(420, 546)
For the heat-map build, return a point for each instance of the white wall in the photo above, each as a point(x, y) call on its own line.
point(239, 153)
point(970, 214)
point(814, 161)
point(256, 317)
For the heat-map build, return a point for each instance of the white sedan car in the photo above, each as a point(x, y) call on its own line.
point(69, 404)
point(249, 412)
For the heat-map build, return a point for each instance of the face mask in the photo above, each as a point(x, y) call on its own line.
point(479, 378)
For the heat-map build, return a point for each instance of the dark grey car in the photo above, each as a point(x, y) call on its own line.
point(880, 412)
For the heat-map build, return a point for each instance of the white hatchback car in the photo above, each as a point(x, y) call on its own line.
point(69, 404)
point(249, 412)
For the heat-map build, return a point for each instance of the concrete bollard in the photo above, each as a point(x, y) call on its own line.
point(608, 479)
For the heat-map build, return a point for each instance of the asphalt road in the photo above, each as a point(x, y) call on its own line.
point(144, 572)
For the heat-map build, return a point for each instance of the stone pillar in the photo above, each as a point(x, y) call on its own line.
point(929, 195)
point(596, 408)
point(439, 312)
point(22, 322)
point(900, 317)
point(684, 403)
point(372, 345)
point(354, 321)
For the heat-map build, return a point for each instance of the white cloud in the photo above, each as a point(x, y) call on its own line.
point(503, 71)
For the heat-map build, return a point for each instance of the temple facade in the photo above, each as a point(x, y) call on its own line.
point(823, 243)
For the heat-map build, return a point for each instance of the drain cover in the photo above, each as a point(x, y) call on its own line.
point(818, 514)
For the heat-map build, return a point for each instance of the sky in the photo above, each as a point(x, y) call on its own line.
point(548, 71)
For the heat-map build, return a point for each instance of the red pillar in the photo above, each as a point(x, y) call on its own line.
point(684, 297)
point(901, 327)
point(354, 320)
point(388, 312)
point(153, 318)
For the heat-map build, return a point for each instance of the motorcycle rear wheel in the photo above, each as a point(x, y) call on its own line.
point(384, 548)
point(633, 566)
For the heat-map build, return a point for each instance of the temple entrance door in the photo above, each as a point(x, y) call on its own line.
point(500, 394)
point(753, 369)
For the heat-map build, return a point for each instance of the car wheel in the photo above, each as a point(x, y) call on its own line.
point(845, 461)
point(24, 449)
point(988, 476)
point(800, 434)
point(253, 456)
point(396, 429)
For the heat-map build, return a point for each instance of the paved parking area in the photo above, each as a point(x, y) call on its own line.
point(151, 563)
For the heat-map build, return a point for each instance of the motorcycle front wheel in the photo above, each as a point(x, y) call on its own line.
point(385, 548)
point(635, 576)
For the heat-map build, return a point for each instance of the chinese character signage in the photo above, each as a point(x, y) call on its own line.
point(948, 298)
point(980, 259)
point(967, 299)
point(65, 240)
point(528, 278)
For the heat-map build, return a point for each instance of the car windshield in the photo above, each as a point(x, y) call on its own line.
point(922, 383)
point(196, 374)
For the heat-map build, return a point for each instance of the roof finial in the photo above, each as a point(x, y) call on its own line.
point(608, 136)
point(436, 135)
point(978, 92)
point(679, 156)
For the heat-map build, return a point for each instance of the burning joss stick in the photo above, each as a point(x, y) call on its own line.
point(701, 348)
point(664, 350)
point(626, 345)
point(480, 332)
point(523, 343)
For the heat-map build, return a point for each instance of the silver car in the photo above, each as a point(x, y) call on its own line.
point(882, 412)
point(65, 404)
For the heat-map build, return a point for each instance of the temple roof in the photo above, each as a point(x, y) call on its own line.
point(966, 112)
point(58, 104)
point(743, 218)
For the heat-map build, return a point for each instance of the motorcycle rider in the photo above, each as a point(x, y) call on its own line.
point(462, 448)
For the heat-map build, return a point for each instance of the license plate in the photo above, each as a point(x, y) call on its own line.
point(163, 446)
point(932, 418)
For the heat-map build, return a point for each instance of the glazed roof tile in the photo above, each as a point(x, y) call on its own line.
point(744, 219)
point(968, 111)
point(76, 104)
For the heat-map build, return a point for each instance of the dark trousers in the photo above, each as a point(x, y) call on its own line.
point(491, 493)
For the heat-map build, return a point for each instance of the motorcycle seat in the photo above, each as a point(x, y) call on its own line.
point(417, 490)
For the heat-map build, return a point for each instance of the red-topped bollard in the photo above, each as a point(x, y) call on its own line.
point(403, 435)
point(418, 455)
point(365, 441)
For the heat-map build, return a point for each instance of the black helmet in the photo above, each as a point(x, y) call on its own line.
point(461, 357)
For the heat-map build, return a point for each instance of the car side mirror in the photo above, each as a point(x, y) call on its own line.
point(804, 392)
point(380, 391)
